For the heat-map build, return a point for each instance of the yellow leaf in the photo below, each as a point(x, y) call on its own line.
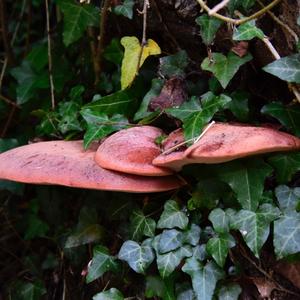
point(133, 58)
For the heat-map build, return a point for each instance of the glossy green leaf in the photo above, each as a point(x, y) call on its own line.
point(239, 105)
point(287, 234)
point(174, 65)
point(247, 32)
point(208, 28)
point(196, 116)
point(219, 246)
point(289, 116)
point(167, 263)
point(246, 178)
point(120, 102)
point(77, 17)
point(288, 198)
point(38, 57)
point(113, 52)
point(101, 262)
point(172, 216)
point(138, 257)
point(224, 68)
point(29, 81)
point(204, 278)
point(125, 9)
point(154, 91)
point(285, 165)
point(220, 220)
point(111, 294)
point(255, 226)
point(170, 240)
point(229, 292)
point(286, 68)
point(141, 225)
point(99, 125)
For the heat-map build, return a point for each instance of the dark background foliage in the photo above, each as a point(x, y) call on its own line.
point(211, 240)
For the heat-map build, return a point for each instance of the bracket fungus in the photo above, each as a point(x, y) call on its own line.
point(66, 163)
point(223, 142)
point(131, 161)
point(132, 151)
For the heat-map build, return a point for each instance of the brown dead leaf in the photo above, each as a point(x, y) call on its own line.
point(264, 287)
point(172, 94)
point(240, 49)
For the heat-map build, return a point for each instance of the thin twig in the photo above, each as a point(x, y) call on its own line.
point(238, 21)
point(50, 56)
point(283, 25)
point(3, 72)
point(101, 42)
point(218, 7)
point(8, 121)
point(194, 140)
point(8, 101)
point(4, 32)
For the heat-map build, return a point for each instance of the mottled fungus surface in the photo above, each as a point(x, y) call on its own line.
point(66, 163)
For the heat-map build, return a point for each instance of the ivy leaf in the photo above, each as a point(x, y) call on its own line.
point(101, 262)
point(170, 240)
point(139, 257)
point(29, 291)
point(209, 26)
point(154, 287)
point(167, 263)
point(154, 91)
point(196, 116)
point(204, 278)
point(172, 216)
point(239, 105)
point(287, 234)
point(113, 52)
point(77, 17)
point(218, 247)
point(255, 226)
point(192, 236)
point(87, 230)
point(220, 220)
point(126, 9)
point(229, 292)
point(286, 68)
point(29, 81)
point(111, 294)
point(247, 32)
point(173, 65)
point(287, 197)
point(133, 59)
point(100, 125)
point(69, 112)
point(121, 102)
point(246, 178)
point(285, 165)
point(224, 68)
point(141, 225)
point(289, 116)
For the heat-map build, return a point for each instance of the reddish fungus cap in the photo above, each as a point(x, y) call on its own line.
point(132, 151)
point(225, 142)
point(66, 163)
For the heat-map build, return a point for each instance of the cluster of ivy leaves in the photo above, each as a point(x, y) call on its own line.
point(170, 246)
